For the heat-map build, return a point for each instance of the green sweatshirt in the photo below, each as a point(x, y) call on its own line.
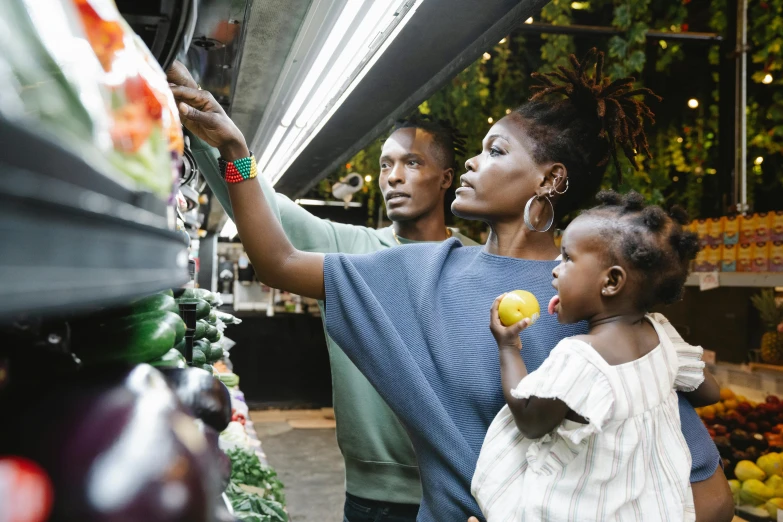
point(379, 460)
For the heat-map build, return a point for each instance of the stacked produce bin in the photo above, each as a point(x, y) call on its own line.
point(116, 386)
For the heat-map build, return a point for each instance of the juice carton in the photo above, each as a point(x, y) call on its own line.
point(700, 263)
point(776, 226)
point(761, 257)
point(745, 257)
point(731, 230)
point(702, 229)
point(747, 229)
point(776, 256)
point(713, 257)
point(729, 259)
point(761, 225)
point(715, 231)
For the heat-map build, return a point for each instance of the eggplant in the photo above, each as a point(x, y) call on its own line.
point(205, 396)
point(118, 445)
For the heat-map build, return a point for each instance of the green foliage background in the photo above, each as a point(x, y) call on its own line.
point(684, 145)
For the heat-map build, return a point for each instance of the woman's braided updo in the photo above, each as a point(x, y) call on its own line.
point(584, 129)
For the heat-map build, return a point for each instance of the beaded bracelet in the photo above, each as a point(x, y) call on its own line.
point(239, 169)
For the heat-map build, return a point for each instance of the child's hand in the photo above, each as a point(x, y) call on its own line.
point(506, 336)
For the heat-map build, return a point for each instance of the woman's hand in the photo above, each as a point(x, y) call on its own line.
point(507, 337)
point(203, 116)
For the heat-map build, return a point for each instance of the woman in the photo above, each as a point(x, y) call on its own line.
point(422, 339)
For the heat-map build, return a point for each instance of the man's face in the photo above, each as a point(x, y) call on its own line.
point(413, 178)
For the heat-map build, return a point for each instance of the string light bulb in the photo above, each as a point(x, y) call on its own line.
point(767, 79)
point(693, 103)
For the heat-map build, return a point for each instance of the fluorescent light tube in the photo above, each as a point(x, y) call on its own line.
point(377, 19)
point(272, 147)
point(276, 173)
point(330, 46)
point(322, 203)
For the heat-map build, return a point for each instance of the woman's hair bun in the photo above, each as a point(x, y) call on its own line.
point(614, 103)
point(679, 214)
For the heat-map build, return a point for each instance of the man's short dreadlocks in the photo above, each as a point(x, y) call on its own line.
point(448, 140)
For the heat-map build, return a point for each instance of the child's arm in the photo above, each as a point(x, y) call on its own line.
point(707, 393)
point(534, 417)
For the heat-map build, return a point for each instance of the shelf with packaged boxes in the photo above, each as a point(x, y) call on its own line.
point(740, 279)
point(751, 244)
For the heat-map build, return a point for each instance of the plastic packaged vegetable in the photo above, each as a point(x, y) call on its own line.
point(145, 130)
point(49, 78)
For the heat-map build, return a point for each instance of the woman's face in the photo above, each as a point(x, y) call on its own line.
point(501, 179)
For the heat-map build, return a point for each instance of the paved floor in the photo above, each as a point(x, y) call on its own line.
point(302, 447)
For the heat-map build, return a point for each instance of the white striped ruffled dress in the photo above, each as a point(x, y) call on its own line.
point(629, 463)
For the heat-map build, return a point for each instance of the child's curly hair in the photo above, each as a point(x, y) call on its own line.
point(650, 240)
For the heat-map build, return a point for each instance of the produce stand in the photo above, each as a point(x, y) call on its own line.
point(103, 328)
point(80, 238)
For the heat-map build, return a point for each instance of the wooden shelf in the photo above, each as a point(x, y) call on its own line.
point(735, 279)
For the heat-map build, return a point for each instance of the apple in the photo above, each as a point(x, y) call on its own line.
point(518, 305)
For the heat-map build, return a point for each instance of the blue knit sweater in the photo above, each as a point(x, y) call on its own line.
point(415, 321)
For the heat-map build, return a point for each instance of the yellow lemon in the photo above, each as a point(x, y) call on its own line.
point(518, 305)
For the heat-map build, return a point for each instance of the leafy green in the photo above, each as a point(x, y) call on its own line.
point(250, 507)
point(247, 469)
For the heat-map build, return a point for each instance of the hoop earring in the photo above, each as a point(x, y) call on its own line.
point(554, 189)
point(527, 215)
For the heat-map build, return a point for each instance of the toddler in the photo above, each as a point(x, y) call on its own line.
point(594, 433)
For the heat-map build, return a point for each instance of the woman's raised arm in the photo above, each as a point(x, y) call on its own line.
point(276, 262)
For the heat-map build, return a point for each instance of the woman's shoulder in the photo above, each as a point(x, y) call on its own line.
point(414, 258)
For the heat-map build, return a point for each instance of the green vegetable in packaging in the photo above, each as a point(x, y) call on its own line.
point(251, 507)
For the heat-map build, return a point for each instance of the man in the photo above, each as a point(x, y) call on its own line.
point(417, 166)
